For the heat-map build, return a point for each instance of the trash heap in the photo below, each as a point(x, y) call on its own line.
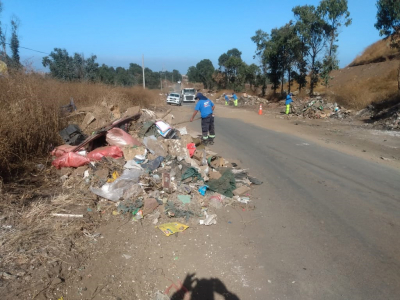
point(383, 116)
point(244, 100)
point(318, 108)
point(147, 168)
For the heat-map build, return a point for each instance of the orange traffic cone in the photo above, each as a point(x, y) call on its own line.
point(260, 110)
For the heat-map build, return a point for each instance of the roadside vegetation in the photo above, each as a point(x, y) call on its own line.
point(30, 112)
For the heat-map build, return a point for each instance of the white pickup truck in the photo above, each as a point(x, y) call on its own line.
point(188, 94)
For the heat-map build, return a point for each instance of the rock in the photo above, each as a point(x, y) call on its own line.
point(150, 204)
point(240, 191)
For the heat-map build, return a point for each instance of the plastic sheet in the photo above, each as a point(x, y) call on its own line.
point(108, 151)
point(70, 159)
point(124, 186)
point(61, 150)
point(118, 137)
point(153, 164)
point(154, 146)
point(192, 148)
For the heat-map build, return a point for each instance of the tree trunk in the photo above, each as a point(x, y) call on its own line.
point(289, 80)
point(398, 78)
point(283, 75)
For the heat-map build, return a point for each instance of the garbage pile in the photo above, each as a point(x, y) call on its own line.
point(387, 118)
point(318, 108)
point(244, 100)
point(148, 169)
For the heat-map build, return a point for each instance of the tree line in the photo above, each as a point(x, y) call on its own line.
point(78, 68)
point(303, 50)
point(12, 61)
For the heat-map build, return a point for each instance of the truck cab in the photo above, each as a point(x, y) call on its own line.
point(188, 94)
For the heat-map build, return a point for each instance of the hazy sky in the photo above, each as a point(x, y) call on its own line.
point(173, 34)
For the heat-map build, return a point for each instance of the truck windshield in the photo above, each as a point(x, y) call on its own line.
point(189, 91)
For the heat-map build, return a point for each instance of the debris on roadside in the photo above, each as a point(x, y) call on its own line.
point(149, 169)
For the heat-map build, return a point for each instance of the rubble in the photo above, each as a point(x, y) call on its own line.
point(149, 169)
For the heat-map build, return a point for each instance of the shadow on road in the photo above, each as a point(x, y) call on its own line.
point(202, 289)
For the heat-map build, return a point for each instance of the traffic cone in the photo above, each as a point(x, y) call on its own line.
point(260, 110)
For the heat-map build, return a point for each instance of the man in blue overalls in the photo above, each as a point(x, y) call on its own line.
point(206, 108)
point(235, 99)
point(288, 103)
point(226, 99)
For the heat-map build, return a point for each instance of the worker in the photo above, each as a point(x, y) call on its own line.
point(288, 102)
point(226, 99)
point(235, 99)
point(206, 108)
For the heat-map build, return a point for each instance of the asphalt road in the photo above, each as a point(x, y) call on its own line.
point(328, 221)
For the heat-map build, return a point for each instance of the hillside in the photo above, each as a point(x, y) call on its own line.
point(379, 51)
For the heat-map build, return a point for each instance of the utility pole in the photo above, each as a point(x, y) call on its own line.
point(144, 81)
point(161, 77)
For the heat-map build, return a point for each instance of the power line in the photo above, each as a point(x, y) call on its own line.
point(30, 49)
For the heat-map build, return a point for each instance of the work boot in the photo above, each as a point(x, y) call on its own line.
point(205, 142)
point(211, 142)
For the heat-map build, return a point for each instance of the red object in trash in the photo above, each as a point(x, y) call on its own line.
point(192, 148)
point(60, 150)
point(118, 137)
point(108, 151)
point(70, 159)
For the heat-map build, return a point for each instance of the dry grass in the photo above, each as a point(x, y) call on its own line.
point(361, 93)
point(30, 113)
point(377, 52)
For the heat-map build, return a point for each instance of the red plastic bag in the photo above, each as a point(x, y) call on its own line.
point(60, 150)
point(118, 137)
point(192, 148)
point(108, 151)
point(70, 159)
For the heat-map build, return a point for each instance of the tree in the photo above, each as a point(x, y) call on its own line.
point(205, 70)
point(335, 14)
point(313, 32)
point(230, 63)
point(60, 64)
point(192, 74)
point(251, 75)
point(388, 24)
point(261, 39)
point(14, 44)
point(388, 17)
point(91, 69)
point(3, 53)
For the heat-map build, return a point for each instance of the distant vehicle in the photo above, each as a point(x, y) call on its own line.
point(174, 98)
point(188, 95)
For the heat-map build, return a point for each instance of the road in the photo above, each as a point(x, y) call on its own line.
point(328, 225)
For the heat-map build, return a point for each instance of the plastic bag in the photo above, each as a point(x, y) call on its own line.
point(70, 159)
point(192, 148)
point(171, 228)
point(60, 150)
point(124, 186)
point(118, 137)
point(108, 151)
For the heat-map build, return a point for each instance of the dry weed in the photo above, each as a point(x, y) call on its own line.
point(377, 52)
point(30, 113)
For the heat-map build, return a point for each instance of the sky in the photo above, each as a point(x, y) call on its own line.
point(170, 34)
